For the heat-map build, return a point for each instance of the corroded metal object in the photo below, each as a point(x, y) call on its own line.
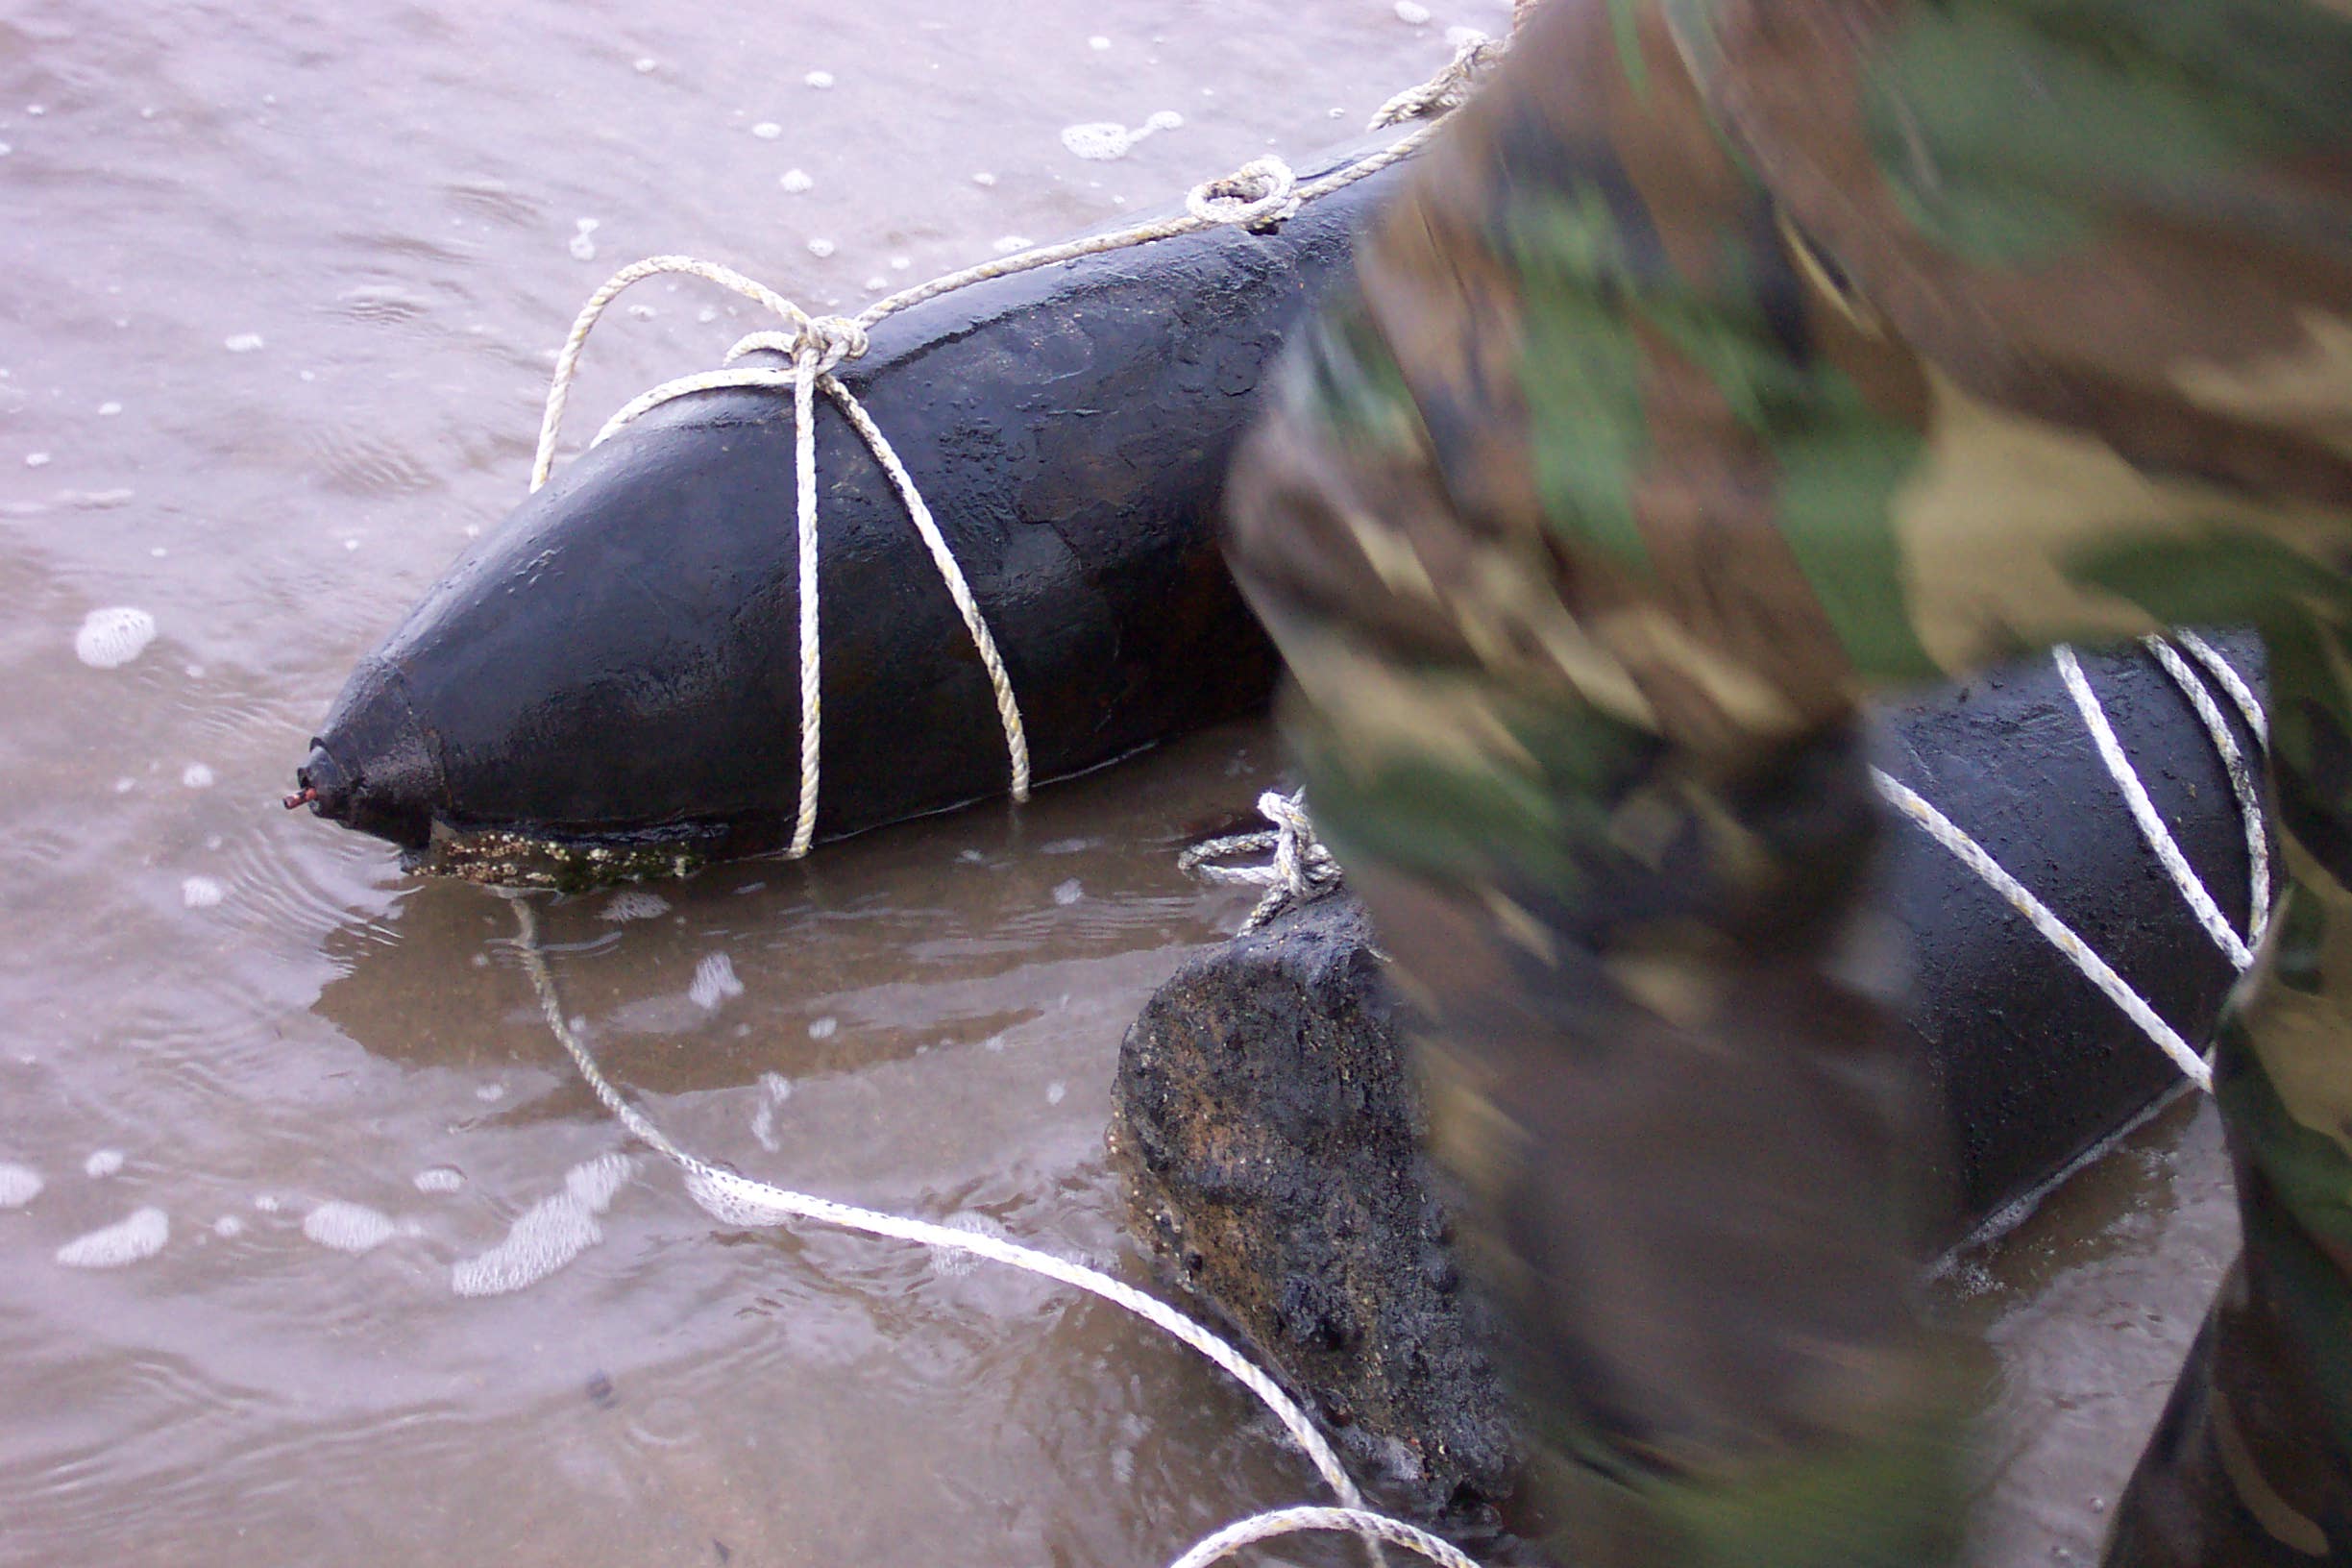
point(607, 686)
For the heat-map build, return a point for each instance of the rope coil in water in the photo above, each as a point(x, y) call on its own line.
point(1300, 869)
point(741, 1200)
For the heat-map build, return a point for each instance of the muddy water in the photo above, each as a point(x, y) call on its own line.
point(331, 1259)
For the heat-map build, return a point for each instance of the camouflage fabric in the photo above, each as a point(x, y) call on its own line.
point(1726, 361)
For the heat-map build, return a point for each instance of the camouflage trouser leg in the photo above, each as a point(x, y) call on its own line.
point(1725, 362)
point(2251, 1461)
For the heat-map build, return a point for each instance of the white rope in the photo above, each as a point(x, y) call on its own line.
point(1267, 1526)
point(2241, 779)
point(1301, 871)
point(2095, 968)
point(1261, 193)
point(741, 1200)
point(2152, 828)
point(2249, 708)
point(1446, 91)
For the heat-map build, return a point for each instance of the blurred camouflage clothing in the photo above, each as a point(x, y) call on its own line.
point(1726, 361)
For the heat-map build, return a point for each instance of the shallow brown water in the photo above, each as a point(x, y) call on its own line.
point(284, 284)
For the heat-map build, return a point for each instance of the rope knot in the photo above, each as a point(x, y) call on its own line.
point(1301, 871)
point(1257, 195)
point(825, 340)
point(835, 338)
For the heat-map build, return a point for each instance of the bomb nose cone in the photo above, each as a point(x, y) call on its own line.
point(321, 784)
point(371, 768)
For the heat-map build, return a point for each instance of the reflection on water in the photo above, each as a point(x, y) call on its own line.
point(311, 1249)
point(2089, 1308)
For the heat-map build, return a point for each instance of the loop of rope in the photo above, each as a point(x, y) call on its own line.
point(738, 1199)
point(1261, 193)
point(1301, 871)
point(1258, 194)
point(1280, 1522)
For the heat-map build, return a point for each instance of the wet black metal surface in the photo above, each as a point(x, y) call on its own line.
point(620, 662)
point(2035, 1065)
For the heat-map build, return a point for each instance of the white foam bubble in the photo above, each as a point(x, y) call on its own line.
point(142, 1235)
point(348, 1227)
point(634, 904)
point(821, 248)
point(1067, 893)
point(242, 342)
point(1012, 244)
point(1097, 139)
point(1412, 13)
point(950, 1263)
point(228, 1225)
point(774, 1089)
point(102, 1163)
point(646, 64)
point(36, 459)
point(439, 1179)
point(1462, 37)
point(823, 1028)
point(489, 1093)
point(201, 892)
point(767, 130)
point(548, 1235)
point(196, 776)
point(983, 178)
point(820, 80)
point(714, 982)
point(900, 264)
point(267, 1204)
point(19, 1185)
point(113, 636)
point(594, 1182)
point(731, 1201)
point(110, 408)
point(797, 181)
point(1055, 1091)
point(582, 247)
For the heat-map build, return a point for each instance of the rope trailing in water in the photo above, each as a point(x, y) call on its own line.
point(740, 1200)
point(1261, 194)
point(1301, 871)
